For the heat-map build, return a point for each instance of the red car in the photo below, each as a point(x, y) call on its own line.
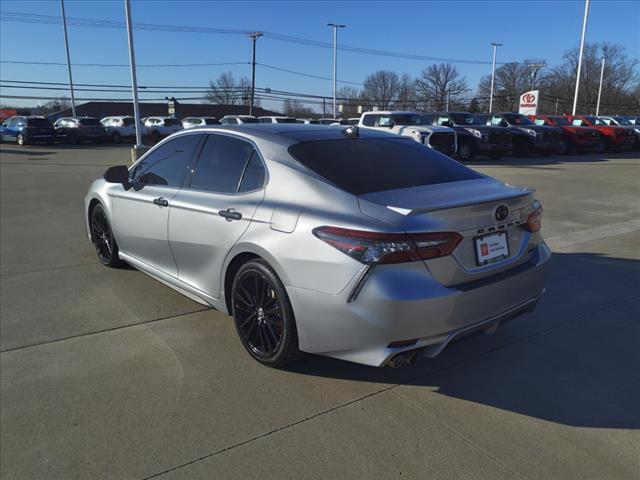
point(616, 138)
point(576, 138)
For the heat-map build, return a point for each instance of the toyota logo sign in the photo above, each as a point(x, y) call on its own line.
point(501, 212)
point(529, 98)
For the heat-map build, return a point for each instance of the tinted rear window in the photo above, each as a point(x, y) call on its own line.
point(89, 122)
point(369, 165)
point(38, 122)
point(249, 120)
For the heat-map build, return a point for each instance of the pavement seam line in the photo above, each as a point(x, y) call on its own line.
point(458, 435)
point(567, 240)
point(383, 390)
point(96, 332)
point(50, 269)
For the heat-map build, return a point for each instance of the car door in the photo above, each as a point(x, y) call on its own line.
point(212, 211)
point(8, 131)
point(140, 214)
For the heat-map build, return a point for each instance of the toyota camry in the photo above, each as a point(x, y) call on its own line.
point(351, 243)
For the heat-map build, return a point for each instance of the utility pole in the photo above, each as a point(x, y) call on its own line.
point(134, 81)
point(600, 87)
point(493, 73)
point(66, 44)
point(323, 107)
point(534, 71)
point(556, 106)
point(448, 99)
point(584, 32)
point(335, 27)
point(253, 36)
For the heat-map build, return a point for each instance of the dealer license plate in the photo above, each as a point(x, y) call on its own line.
point(491, 248)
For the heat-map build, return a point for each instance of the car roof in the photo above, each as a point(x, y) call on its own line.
point(289, 133)
point(392, 112)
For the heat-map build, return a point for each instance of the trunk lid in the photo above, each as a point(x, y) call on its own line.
point(468, 207)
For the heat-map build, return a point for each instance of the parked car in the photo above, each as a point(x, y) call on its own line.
point(633, 120)
point(160, 127)
point(474, 136)
point(624, 123)
point(190, 122)
point(615, 138)
point(347, 242)
point(78, 129)
point(27, 130)
point(575, 138)
point(328, 121)
point(413, 125)
point(307, 121)
point(119, 128)
point(238, 119)
point(527, 136)
point(276, 119)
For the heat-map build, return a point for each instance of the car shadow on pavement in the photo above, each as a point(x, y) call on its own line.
point(28, 152)
point(555, 159)
point(572, 362)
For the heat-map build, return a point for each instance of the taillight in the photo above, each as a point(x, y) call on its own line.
point(534, 220)
point(384, 248)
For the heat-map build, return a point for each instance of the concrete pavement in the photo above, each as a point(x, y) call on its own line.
point(109, 374)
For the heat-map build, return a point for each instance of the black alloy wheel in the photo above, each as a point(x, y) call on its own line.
point(263, 315)
point(102, 236)
point(565, 147)
point(466, 152)
point(115, 137)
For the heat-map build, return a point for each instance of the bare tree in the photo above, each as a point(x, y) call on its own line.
point(381, 89)
point(440, 82)
point(227, 91)
point(511, 81)
point(349, 98)
point(54, 106)
point(295, 108)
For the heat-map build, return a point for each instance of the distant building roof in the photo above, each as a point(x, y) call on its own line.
point(109, 109)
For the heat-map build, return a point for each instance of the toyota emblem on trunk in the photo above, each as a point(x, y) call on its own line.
point(501, 212)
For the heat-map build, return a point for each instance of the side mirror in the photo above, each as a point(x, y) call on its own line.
point(391, 124)
point(118, 174)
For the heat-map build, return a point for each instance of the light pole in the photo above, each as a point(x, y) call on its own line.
point(66, 44)
point(584, 33)
point(600, 87)
point(493, 73)
point(253, 36)
point(134, 81)
point(534, 71)
point(335, 27)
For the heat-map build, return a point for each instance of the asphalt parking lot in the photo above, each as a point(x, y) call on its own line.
point(109, 374)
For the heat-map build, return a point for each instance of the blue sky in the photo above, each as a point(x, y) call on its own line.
point(454, 29)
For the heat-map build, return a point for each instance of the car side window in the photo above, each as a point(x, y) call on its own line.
point(221, 163)
point(384, 121)
point(369, 120)
point(254, 174)
point(167, 164)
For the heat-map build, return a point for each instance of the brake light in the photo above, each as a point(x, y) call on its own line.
point(534, 220)
point(385, 248)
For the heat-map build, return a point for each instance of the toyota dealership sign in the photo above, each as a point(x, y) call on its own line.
point(529, 102)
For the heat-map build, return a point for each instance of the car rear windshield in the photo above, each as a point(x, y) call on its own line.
point(38, 122)
point(170, 121)
point(89, 122)
point(367, 165)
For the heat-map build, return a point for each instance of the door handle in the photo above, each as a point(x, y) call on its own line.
point(230, 214)
point(162, 202)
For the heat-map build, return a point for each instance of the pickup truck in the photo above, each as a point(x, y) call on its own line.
point(576, 138)
point(616, 138)
point(414, 125)
point(474, 137)
point(528, 137)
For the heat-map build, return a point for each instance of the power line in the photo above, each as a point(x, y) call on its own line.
point(101, 23)
point(271, 67)
point(172, 65)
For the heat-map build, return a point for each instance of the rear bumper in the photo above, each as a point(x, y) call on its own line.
point(401, 304)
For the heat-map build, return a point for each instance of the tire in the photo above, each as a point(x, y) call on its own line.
point(103, 240)
point(601, 147)
point(565, 147)
point(263, 315)
point(155, 136)
point(21, 140)
point(466, 152)
point(73, 138)
point(116, 137)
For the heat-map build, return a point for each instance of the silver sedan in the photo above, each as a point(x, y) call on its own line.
point(359, 245)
